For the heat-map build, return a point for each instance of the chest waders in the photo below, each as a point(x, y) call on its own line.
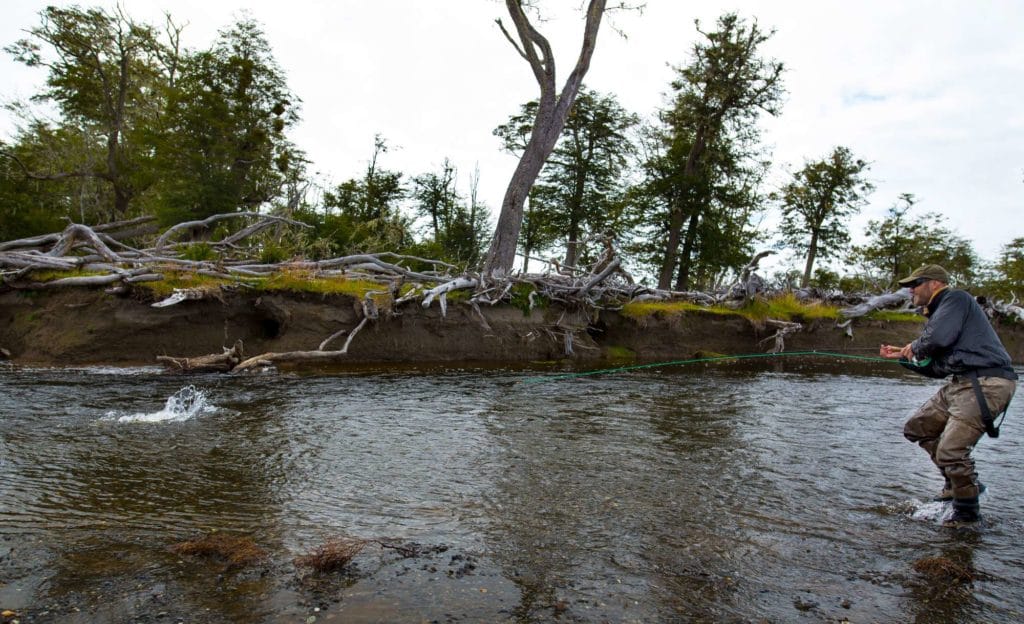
point(991, 427)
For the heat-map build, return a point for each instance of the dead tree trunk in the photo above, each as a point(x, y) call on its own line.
point(551, 114)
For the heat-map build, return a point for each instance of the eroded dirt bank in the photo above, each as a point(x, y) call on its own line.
point(91, 327)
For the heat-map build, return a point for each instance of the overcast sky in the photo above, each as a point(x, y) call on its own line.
point(930, 92)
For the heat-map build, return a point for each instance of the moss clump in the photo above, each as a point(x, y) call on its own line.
point(895, 316)
point(288, 281)
point(181, 280)
point(49, 276)
point(668, 309)
point(620, 354)
point(304, 281)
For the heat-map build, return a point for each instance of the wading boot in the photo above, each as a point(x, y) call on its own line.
point(966, 511)
point(947, 492)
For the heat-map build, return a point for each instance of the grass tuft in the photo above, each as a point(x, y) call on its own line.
point(943, 568)
point(234, 551)
point(331, 556)
point(304, 281)
point(788, 308)
point(668, 309)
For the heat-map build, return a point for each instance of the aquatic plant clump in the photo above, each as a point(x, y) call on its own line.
point(233, 550)
point(334, 555)
point(943, 568)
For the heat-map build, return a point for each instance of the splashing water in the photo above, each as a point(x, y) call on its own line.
point(933, 511)
point(181, 406)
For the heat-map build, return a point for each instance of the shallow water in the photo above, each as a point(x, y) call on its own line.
point(779, 492)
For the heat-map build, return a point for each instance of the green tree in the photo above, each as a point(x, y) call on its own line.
point(817, 204)
point(105, 76)
point(223, 146)
point(581, 185)
point(455, 226)
point(1008, 278)
point(718, 98)
point(436, 198)
point(893, 241)
point(898, 244)
point(36, 192)
point(723, 196)
point(364, 214)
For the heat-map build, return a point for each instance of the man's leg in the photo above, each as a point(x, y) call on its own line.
point(925, 427)
point(965, 427)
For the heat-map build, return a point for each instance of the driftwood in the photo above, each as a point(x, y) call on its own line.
point(222, 363)
point(888, 300)
point(188, 226)
point(1011, 309)
point(897, 299)
point(749, 282)
point(319, 356)
point(783, 329)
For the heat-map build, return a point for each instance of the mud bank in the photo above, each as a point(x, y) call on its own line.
point(84, 327)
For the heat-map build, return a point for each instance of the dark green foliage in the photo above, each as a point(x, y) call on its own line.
point(455, 228)
point(105, 77)
point(363, 214)
point(147, 127)
point(199, 252)
point(695, 210)
point(1007, 279)
point(222, 147)
point(520, 298)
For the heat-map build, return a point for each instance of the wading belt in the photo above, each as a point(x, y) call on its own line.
point(991, 428)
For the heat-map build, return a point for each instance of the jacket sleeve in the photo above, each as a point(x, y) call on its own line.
point(944, 327)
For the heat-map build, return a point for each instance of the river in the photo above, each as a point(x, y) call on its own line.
point(778, 491)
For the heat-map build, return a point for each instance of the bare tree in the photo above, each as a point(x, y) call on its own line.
point(551, 115)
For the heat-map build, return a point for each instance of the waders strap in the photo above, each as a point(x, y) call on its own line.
point(991, 428)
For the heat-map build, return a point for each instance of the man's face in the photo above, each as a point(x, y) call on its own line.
point(922, 292)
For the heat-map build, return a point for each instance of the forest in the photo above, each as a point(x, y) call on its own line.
point(134, 128)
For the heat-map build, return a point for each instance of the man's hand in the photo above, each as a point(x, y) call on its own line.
point(891, 352)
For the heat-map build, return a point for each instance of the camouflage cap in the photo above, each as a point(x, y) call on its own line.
point(924, 273)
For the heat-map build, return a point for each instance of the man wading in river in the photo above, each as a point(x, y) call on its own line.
point(957, 340)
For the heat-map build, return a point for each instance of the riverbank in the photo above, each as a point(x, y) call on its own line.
point(88, 326)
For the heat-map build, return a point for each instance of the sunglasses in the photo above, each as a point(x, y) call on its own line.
point(914, 284)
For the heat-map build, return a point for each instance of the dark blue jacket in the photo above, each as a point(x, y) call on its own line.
point(958, 336)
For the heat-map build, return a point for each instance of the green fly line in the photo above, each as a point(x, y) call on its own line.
point(716, 358)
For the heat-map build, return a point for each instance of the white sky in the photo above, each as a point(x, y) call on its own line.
point(930, 92)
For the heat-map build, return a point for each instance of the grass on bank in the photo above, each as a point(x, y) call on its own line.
point(785, 307)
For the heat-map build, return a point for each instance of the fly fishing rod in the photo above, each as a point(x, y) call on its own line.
point(722, 358)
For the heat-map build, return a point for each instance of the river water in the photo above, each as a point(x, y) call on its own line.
point(776, 491)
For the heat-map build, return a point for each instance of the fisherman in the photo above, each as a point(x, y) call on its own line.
point(957, 340)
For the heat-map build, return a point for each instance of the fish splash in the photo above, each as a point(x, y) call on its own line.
point(181, 406)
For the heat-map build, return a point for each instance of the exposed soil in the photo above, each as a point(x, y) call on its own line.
point(82, 326)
